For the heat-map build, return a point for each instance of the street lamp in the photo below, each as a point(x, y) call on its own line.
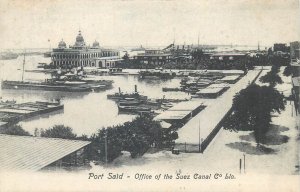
point(105, 146)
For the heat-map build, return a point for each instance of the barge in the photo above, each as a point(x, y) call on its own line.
point(134, 109)
point(156, 74)
point(13, 112)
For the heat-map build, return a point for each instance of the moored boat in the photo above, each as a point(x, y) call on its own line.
point(83, 86)
point(134, 109)
point(120, 95)
point(156, 74)
point(129, 102)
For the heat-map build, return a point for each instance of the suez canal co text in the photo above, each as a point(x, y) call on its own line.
point(144, 176)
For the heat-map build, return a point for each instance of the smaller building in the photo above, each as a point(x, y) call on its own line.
point(153, 56)
point(280, 47)
point(295, 50)
point(107, 62)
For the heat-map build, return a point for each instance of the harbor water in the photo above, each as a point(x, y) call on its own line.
point(84, 112)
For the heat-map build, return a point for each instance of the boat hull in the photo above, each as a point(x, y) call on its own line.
point(18, 85)
point(134, 109)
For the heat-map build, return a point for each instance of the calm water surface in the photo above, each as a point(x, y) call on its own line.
point(84, 112)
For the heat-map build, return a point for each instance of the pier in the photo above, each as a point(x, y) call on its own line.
point(11, 113)
point(199, 131)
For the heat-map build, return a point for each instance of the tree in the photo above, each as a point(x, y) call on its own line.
point(107, 143)
point(251, 110)
point(272, 76)
point(143, 132)
point(14, 130)
point(135, 137)
point(59, 131)
point(287, 70)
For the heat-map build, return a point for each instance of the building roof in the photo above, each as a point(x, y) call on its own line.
point(230, 78)
point(186, 106)
point(172, 115)
point(34, 153)
point(296, 81)
point(2, 123)
point(165, 125)
point(218, 85)
point(210, 90)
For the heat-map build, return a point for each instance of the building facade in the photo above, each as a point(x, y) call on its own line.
point(280, 47)
point(295, 50)
point(81, 55)
point(153, 56)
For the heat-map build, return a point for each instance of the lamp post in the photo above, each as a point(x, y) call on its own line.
point(23, 67)
point(105, 146)
point(244, 163)
point(199, 137)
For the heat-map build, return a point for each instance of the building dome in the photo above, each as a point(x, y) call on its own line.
point(79, 37)
point(96, 44)
point(79, 40)
point(62, 44)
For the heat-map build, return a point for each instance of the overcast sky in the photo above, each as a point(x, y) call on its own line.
point(31, 23)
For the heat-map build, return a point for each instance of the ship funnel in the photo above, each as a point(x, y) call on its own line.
point(135, 88)
point(119, 90)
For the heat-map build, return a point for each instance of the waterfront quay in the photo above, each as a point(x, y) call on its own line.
point(199, 131)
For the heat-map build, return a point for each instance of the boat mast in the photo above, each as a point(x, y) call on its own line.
point(23, 67)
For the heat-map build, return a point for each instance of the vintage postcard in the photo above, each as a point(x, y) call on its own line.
point(192, 95)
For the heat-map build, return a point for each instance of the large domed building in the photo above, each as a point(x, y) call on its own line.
point(81, 55)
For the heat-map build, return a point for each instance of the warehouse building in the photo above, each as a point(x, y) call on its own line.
point(27, 153)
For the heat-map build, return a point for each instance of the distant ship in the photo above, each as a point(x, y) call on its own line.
point(47, 54)
point(8, 55)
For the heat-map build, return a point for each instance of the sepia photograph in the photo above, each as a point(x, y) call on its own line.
point(150, 95)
